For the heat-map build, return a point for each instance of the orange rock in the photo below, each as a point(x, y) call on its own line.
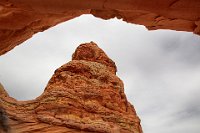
point(20, 19)
point(84, 95)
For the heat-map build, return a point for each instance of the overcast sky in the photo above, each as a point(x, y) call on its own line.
point(160, 69)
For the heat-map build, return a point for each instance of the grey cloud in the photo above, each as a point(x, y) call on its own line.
point(190, 109)
point(186, 48)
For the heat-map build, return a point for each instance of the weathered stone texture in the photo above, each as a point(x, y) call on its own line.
point(20, 19)
point(84, 95)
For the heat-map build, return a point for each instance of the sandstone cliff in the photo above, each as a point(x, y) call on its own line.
point(84, 95)
point(20, 19)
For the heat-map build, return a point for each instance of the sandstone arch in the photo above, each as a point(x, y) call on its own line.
point(20, 19)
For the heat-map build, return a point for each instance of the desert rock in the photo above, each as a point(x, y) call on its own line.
point(20, 19)
point(84, 95)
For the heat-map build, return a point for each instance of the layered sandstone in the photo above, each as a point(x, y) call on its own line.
point(20, 19)
point(84, 95)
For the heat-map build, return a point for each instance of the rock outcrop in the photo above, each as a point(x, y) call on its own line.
point(20, 19)
point(84, 95)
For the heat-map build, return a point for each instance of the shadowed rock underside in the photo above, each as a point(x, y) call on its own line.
point(84, 95)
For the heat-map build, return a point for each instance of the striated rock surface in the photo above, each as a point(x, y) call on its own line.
point(20, 19)
point(2, 91)
point(84, 95)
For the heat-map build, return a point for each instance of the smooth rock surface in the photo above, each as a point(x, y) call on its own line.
point(20, 19)
point(84, 95)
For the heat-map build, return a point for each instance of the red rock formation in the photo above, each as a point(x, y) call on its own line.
point(20, 19)
point(84, 95)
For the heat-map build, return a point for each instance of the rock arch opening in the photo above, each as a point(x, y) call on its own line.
point(158, 59)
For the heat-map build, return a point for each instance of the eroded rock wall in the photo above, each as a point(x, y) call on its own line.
point(84, 95)
point(20, 19)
